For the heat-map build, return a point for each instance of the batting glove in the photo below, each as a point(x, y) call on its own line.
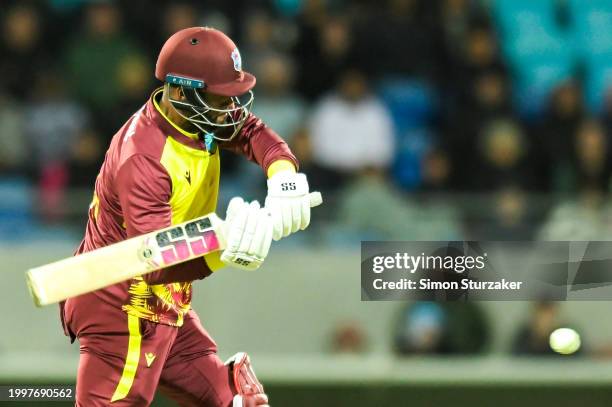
point(249, 391)
point(288, 203)
point(249, 235)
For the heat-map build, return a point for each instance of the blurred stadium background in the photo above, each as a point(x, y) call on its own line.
point(418, 119)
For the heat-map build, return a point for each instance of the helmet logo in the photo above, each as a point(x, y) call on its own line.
point(237, 60)
point(182, 81)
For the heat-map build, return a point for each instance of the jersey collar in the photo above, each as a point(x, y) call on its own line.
point(169, 127)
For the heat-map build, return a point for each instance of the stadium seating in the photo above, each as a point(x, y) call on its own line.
point(412, 104)
point(598, 81)
point(16, 219)
point(536, 79)
point(591, 25)
point(538, 51)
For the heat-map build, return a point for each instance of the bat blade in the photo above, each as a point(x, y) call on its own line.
point(124, 260)
point(121, 261)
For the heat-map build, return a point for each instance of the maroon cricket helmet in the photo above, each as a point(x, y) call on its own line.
point(203, 57)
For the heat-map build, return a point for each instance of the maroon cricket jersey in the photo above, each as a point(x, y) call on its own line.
point(155, 175)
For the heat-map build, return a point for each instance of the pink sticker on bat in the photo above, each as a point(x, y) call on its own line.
point(168, 256)
point(205, 244)
point(180, 252)
point(198, 247)
point(210, 238)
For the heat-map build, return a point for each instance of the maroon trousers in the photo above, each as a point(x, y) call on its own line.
point(125, 359)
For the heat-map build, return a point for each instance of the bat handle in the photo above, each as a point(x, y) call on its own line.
point(316, 199)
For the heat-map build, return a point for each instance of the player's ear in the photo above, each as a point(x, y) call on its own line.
point(181, 94)
point(176, 93)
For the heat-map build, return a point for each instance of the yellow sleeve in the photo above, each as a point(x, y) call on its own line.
point(213, 261)
point(280, 165)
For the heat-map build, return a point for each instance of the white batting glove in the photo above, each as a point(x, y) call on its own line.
point(249, 235)
point(288, 203)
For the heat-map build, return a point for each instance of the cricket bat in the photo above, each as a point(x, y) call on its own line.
point(57, 281)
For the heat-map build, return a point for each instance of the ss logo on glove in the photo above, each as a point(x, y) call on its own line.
point(242, 262)
point(249, 234)
point(288, 186)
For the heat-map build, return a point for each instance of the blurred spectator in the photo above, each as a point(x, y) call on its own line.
point(322, 54)
point(350, 129)
point(510, 209)
point(479, 92)
point(441, 328)
point(401, 44)
point(54, 122)
point(85, 160)
point(96, 58)
point(372, 190)
point(503, 159)
point(421, 330)
point(593, 166)
point(133, 77)
point(13, 144)
point(508, 213)
point(349, 338)
point(565, 113)
point(533, 337)
point(403, 219)
point(511, 216)
point(476, 56)
point(277, 104)
point(480, 54)
point(468, 328)
point(436, 171)
point(22, 52)
point(584, 214)
point(557, 131)
point(457, 18)
point(489, 96)
point(259, 38)
point(54, 125)
point(486, 100)
point(454, 16)
point(177, 15)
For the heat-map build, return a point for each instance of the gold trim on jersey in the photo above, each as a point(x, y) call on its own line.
point(193, 136)
point(131, 360)
point(280, 165)
point(194, 177)
point(195, 180)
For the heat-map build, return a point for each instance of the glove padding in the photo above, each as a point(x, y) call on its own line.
point(248, 235)
point(249, 391)
point(288, 202)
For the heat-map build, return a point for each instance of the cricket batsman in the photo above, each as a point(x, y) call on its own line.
point(162, 168)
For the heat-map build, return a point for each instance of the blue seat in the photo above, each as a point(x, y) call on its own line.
point(514, 16)
point(536, 78)
point(412, 146)
point(598, 81)
point(411, 102)
point(591, 26)
point(16, 208)
point(528, 28)
point(537, 43)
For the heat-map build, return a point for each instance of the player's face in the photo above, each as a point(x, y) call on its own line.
point(218, 102)
point(221, 116)
point(215, 106)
